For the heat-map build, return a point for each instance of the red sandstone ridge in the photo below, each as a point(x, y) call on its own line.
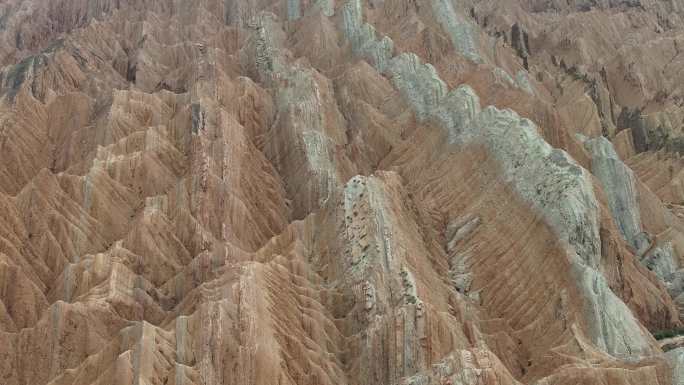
point(333, 192)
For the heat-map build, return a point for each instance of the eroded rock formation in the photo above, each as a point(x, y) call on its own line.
point(340, 192)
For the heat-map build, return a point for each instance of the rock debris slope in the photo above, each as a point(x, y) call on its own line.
point(341, 192)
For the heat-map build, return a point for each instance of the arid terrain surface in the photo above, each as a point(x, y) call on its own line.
point(341, 192)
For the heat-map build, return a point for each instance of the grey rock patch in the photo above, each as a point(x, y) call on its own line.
point(462, 34)
point(363, 37)
point(294, 10)
point(459, 229)
point(419, 83)
point(613, 326)
point(619, 184)
point(522, 80)
point(676, 359)
point(676, 285)
point(661, 261)
point(327, 7)
point(503, 77)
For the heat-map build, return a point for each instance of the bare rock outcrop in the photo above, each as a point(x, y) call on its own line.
point(340, 192)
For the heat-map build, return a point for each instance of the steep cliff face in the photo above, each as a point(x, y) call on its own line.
point(340, 192)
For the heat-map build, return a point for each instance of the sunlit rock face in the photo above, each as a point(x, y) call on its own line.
point(341, 192)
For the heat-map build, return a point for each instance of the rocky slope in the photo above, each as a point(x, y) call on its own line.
point(341, 192)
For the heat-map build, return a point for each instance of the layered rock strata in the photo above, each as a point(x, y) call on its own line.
point(338, 192)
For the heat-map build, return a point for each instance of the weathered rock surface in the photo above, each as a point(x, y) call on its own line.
point(676, 358)
point(340, 192)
